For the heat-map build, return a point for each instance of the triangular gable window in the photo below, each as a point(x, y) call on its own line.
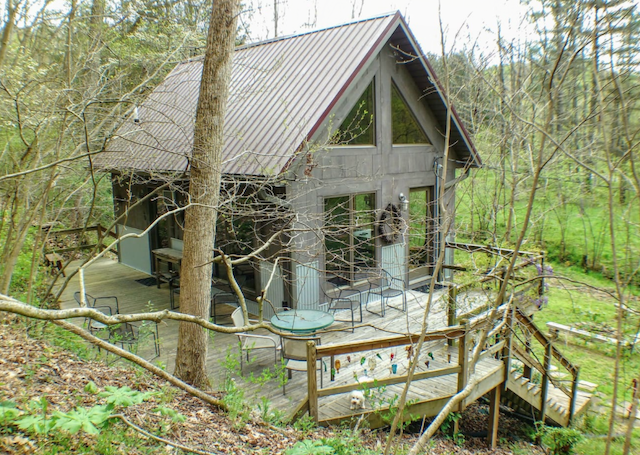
point(404, 126)
point(359, 126)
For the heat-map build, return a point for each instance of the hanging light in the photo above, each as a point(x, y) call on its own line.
point(404, 202)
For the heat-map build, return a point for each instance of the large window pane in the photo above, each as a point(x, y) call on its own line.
point(349, 234)
point(421, 227)
point(359, 126)
point(404, 126)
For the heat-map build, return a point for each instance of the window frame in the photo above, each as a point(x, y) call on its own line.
point(352, 227)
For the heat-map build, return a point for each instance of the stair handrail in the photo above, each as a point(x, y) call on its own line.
point(544, 340)
point(551, 351)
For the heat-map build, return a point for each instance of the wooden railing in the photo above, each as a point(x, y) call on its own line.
point(462, 369)
point(524, 352)
point(101, 231)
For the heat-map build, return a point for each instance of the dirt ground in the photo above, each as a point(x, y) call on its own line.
point(31, 369)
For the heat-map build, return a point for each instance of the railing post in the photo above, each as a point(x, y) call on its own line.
point(506, 352)
point(463, 361)
point(526, 372)
point(545, 381)
point(99, 232)
point(541, 284)
point(312, 381)
point(574, 395)
point(452, 294)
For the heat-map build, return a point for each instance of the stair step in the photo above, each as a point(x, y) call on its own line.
point(588, 386)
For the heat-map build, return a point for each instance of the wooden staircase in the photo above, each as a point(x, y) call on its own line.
point(550, 397)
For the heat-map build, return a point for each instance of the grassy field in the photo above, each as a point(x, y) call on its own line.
point(584, 302)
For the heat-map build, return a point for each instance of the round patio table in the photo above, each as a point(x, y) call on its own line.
point(302, 321)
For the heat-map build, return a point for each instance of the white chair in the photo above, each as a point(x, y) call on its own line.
point(294, 355)
point(250, 341)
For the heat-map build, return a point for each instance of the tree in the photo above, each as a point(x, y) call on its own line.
point(204, 190)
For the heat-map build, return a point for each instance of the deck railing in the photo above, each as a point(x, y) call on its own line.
point(461, 332)
point(101, 232)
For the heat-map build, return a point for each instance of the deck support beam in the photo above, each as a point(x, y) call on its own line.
point(312, 380)
point(494, 415)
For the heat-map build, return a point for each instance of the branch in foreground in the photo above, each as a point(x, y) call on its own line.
point(421, 444)
point(141, 362)
point(144, 432)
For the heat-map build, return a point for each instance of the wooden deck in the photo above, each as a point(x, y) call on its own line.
point(364, 356)
point(107, 277)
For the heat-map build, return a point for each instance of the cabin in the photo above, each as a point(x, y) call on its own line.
point(335, 151)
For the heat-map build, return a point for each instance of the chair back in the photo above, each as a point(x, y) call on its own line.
point(238, 317)
point(295, 348)
point(90, 301)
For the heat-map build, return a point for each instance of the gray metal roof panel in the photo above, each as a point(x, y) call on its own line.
point(280, 91)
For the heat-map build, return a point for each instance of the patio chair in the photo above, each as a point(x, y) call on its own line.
point(222, 298)
point(130, 335)
point(226, 297)
point(342, 298)
point(382, 284)
point(294, 356)
point(249, 341)
point(101, 304)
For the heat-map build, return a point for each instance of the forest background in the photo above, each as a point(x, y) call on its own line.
point(565, 96)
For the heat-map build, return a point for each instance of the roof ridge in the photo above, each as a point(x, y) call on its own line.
point(309, 32)
point(297, 35)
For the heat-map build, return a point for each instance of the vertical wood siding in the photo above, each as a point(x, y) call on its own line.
point(275, 293)
point(307, 286)
point(394, 259)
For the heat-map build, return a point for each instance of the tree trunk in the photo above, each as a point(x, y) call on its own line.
point(204, 190)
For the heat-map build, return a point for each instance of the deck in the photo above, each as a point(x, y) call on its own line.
point(107, 277)
point(365, 356)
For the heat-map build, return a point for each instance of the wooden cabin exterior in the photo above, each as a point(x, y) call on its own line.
point(332, 131)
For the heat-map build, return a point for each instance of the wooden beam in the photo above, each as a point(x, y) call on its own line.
point(494, 415)
point(463, 362)
point(388, 381)
point(376, 418)
point(389, 342)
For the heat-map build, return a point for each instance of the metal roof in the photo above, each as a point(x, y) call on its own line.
point(281, 91)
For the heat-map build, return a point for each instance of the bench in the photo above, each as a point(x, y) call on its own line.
point(54, 260)
point(555, 329)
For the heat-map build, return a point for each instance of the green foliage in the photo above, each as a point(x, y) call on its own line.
point(307, 447)
point(560, 441)
point(123, 396)
point(87, 420)
point(91, 421)
point(169, 412)
point(91, 388)
point(9, 413)
point(304, 424)
point(239, 412)
point(269, 414)
point(36, 421)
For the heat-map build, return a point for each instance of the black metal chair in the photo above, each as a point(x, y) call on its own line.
point(342, 298)
point(101, 304)
point(131, 335)
point(223, 298)
point(226, 297)
point(294, 356)
point(382, 284)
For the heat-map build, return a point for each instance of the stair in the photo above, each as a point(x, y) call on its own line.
point(557, 410)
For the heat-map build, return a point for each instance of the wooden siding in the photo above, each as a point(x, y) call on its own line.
point(307, 281)
point(275, 293)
